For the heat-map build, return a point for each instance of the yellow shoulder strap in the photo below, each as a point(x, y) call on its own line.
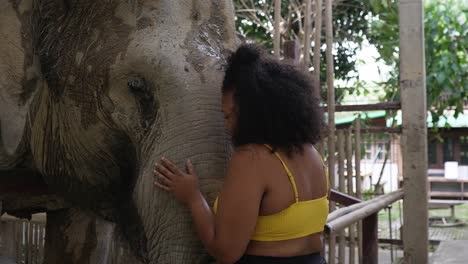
point(325, 170)
point(288, 172)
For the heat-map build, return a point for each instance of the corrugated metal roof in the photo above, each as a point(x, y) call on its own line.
point(449, 120)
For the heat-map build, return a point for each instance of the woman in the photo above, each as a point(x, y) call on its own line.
point(274, 201)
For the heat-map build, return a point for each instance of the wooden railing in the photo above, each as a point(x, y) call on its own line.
point(356, 210)
point(22, 241)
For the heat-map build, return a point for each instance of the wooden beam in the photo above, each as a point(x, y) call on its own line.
point(331, 248)
point(350, 208)
point(366, 107)
point(371, 207)
point(331, 94)
point(414, 134)
point(357, 157)
point(343, 198)
point(291, 51)
point(370, 240)
point(349, 167)
point(317, 44)
point(399, 242)
point(341, 187)
point(277, 29)
point(307, 32)
point(375, 130)
point(357, 165)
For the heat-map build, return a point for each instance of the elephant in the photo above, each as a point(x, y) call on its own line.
point(92, 93)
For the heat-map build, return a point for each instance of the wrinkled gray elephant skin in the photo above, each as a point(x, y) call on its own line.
point(92, 92)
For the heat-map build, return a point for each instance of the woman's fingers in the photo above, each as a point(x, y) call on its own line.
point(190, 168)
point(171, 166)
point(163, 178)
point(162, 186)
point(165, 172)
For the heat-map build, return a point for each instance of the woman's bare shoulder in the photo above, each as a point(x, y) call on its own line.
point(253, 151)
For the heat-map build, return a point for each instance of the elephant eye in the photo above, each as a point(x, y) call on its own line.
point(143, 92)
point(137, 84)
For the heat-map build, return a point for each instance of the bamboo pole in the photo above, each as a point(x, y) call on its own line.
point(349, 160)
point(331, 95)
point(7, 234)
point(38, 245)
point(349, 167)
point(366, 107)
point(30, 245)
point(33, 242)
point(316, 58)
point(414, 136)
point(317, 44)
point(370, 242)
point(375, 130)
point(331, 248)
point(307, 32)
point(18, 241)
point(357, 164)
point(341, 187)
point(341, 154)
point(377, 204)
point(346, 210)
point(277, 30)
point(291, 51)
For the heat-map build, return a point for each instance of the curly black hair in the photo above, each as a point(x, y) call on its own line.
point(275, 102)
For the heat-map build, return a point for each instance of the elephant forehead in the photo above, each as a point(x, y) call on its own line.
point(76, 45)
point(191, 44)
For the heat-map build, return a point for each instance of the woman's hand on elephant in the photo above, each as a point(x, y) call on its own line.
point(184, 185)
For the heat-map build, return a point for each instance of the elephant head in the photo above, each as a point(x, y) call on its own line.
point(94, 92)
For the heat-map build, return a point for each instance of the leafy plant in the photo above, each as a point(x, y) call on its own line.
point(446, 46)
point(255, 20)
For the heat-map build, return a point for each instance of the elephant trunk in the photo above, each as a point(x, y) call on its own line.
point(189, 128)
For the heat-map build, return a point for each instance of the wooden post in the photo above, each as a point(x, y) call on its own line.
point(331, 248)
point(18, 241)
point(414, 134)
point(357, 166)
point(370, 240)
point(32, 247)
point(38, 243)
point(341, 187)
point(7, 229)
point(307, 32)
point(29, 246)
point(277, 29)
point(291, 51)
point(349, 167)
point(331, 94)
point(317, 43)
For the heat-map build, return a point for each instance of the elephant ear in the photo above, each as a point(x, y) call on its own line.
point(19, 78)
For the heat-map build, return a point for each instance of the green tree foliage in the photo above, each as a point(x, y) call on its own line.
point(255, 20)
point(446, 44)
point(446, 35)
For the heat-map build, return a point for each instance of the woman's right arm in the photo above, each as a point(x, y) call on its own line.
point(238, 208)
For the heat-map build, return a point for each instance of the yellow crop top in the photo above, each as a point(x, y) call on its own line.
point(300, 219)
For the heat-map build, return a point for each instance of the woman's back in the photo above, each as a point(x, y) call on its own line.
point(307, 171)
point(272, 207)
